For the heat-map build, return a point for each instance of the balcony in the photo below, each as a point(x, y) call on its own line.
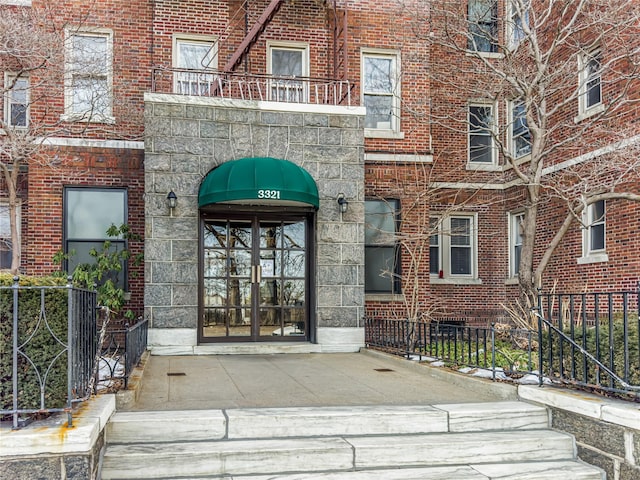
point(255, 87)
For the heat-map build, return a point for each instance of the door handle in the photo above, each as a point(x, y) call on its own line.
point(256, 273)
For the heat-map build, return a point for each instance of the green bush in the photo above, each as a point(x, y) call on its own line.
point(37, 332)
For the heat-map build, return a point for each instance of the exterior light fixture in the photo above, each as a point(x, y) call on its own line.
point(343, 204)
point(172, 200)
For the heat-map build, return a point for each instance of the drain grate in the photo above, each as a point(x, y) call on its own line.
point(383, 370)
point(176, 374)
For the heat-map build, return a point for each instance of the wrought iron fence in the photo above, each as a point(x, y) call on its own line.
point(587, 340)
point(121, 353)
point(591, 340)
point(51, 335)
point(246, 86)
point(512, 351)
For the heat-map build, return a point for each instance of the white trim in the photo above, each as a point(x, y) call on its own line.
point(584, 110)
point(397, 157)
point(612, 147)
point(253, 104)
point(8, 100)
point(393, 132)
point(492, 132)
point(69, 114)
point(19, 3)
point(444, 245)
point(511, 218)
point(90, 143)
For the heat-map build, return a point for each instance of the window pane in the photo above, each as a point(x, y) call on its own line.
point(378, 75)
point(483, 25)
point(91, 95)
point(480, 149)
point(460, 231)
point(379, 111)
point(520, 131)
point(90, 54)
point(89, 213)
point(380, 267)
point(597, 211)
point(81, 255)
point(194, 55)
point(434, 260)
point(480, 119)
point(597, 237)
point(286, 63)
point(460, 261)
point(379, 222)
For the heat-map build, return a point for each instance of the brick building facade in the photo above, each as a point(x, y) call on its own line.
point(370, 100)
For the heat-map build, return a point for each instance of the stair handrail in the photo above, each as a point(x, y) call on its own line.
point(573, 343)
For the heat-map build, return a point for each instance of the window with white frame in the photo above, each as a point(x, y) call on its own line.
point(481, 141)
point(287, 63)
point(519, 130)
point(516, 222)
point(381, 257)
point(88, 77)
point(518, 21)
point(455, 248)
point(594, 231)
point(88, 214)
point(6, 245)
point(192, 57)
point(381, 90)
point(16, 105)
point(483, 25)
point(434, 247)
point(590, 82)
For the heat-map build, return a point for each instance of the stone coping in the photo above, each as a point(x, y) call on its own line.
point(618, 412)
point(54, 436)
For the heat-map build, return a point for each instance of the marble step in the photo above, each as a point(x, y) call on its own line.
point(206, 425)
point(561, 470)
point(327, 454)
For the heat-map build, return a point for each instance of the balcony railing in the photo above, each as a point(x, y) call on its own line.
point(245, 86)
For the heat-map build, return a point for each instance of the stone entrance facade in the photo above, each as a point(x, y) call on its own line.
point(185, 137)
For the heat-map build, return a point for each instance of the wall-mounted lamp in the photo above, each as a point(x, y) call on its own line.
point(343, 204)
point(172, 200)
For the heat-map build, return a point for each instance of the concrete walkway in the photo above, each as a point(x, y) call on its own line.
point(286, 380)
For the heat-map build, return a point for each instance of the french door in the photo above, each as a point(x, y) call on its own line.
point(254, 278)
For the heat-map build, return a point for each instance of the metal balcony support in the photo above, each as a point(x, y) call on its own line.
point(253, 35)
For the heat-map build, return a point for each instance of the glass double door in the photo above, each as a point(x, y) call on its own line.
point(254, 282)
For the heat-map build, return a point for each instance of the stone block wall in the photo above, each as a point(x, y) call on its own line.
point(187, 136)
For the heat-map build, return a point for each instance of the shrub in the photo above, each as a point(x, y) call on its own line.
point(42, 334)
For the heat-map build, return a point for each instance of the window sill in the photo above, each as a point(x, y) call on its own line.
point(79, 117)
point(375, 133)
point(593, 258)
point(454, 281)
point(477, 53)
point(511, 281)
point(484, 167)
point(383, 297)
point(589, 113)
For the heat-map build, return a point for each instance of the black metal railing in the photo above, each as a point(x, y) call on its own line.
point(591, 340)
point(511, 351)
point(587, 340)
point(53, 343)
point(247, 86)
point(121, 354)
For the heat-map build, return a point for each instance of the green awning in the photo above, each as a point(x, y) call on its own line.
point(259, 181)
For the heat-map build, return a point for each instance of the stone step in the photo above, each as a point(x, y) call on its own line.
point(332, 454)
point(562, 470)
point(207, 425)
